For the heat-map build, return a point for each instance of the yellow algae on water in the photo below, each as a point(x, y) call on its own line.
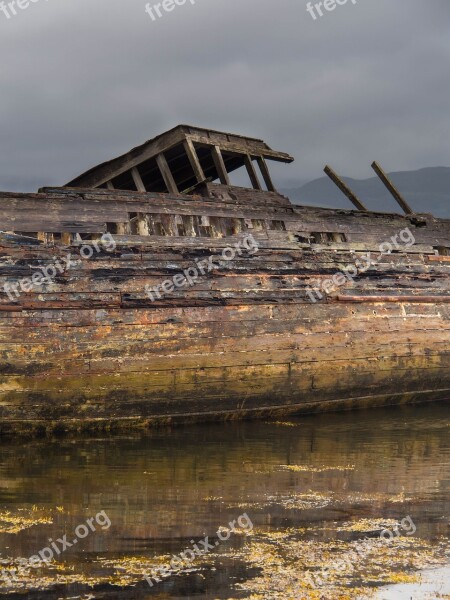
point(367, 525)
point(304, 501)
point(307, 569)
point(321, 469)
point(299, 501)
point(23, 519)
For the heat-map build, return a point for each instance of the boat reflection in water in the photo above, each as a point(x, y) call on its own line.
point(317, 490)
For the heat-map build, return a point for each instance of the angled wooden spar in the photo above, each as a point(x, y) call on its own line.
point(166, 173)
point(392, 189)
point(137, 180)
point(344, 188)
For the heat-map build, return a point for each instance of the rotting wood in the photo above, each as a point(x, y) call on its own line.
point(252, 173)
point(166, 173)
point(395, 298)
point(240, 145)
point(138, 180)
point(244, 340)
point(220, 165)
point(193, 159)
point(344, 188)
point(392, 189)
point(266, 174)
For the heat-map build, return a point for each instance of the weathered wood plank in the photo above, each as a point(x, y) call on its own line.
point(194, 161)
point(220, 165)
point(166, 173)
point(137, 180)
point(391, 188)
point(344, 188)
point(266, 174)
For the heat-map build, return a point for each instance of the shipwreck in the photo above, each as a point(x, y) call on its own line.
point(151, 290)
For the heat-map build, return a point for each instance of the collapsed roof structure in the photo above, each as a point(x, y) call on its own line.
point(178, 160)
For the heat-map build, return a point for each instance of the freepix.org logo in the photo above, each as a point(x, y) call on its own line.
point(9, 9)
point(191, 276)
point(157, 10)
point(315, 10)
point(56, 548)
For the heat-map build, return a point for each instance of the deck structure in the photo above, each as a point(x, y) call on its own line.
point(182, 158)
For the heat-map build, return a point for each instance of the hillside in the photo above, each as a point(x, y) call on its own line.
point(426, 190)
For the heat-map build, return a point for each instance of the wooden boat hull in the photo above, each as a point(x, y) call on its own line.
point(92, 350)
point(112, 367)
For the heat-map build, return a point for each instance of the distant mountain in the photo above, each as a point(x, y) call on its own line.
point(426, 190)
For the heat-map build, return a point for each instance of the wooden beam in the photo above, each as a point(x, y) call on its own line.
point(137, 180)
point(252, 172)
point(193, 159)
point(344, 188)
point(102, 173)
point(166, 174)
point(220, 165)
point(392, 189)
point(238, 144)
point(265, 173)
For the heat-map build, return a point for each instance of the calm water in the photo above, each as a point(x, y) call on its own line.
point(316, 491)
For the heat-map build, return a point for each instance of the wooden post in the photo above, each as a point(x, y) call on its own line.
point(166, 174)
point(392, 189)
point(193, 159)
point(137, 180)
point(265, 173)
point(220, 165)
point(252, 172)
point(344, 188)
point(123, 228)
point(142, 224)
point(47, 238)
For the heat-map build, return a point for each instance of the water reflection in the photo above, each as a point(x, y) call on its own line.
point(315, 480)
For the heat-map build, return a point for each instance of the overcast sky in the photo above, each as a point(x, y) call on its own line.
point(85, 80)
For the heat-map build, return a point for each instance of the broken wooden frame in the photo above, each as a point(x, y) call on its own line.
point(181, 159)
point(392, 189)
point(216, 212)
point(345, 189)
point(184, 159)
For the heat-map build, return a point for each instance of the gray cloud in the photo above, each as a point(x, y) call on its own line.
point(83, 81)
